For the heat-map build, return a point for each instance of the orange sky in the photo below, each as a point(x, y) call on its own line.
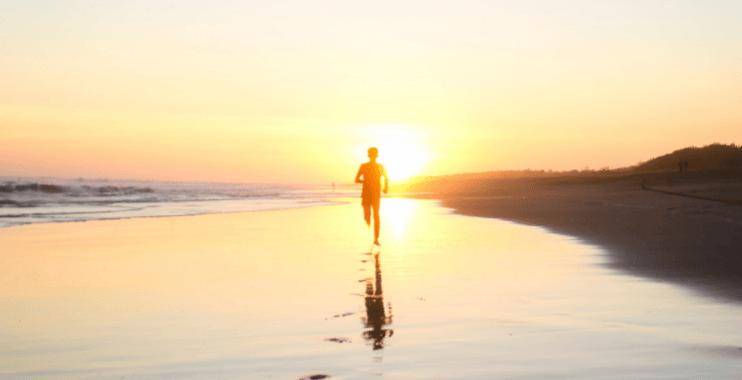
point(290, 91)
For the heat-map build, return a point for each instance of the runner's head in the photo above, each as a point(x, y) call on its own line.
point(373, 153)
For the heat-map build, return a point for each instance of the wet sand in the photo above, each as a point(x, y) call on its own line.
point(693, 240)
point(296, 293)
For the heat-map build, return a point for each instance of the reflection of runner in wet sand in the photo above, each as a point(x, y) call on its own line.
point(372, 172)
point(376, 315)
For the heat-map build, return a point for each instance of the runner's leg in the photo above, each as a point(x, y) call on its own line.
point(367, 213)
point(377, 222)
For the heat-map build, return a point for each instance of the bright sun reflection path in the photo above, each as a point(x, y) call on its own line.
point(396, 214)
point(402, 149)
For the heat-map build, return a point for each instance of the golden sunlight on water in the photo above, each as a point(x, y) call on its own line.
point(298, 292)
point(397, 215)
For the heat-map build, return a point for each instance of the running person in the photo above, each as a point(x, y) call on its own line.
point(372, 172)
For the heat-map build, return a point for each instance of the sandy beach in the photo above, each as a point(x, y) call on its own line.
point(686, 229)
point(360, 190)
point(296, 293)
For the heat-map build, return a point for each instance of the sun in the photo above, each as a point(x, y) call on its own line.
point(402, 149)
point(402, 159)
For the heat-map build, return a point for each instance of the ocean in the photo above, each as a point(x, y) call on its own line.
point(46, 200)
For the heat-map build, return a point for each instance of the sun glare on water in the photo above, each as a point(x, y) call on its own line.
point(402, 150)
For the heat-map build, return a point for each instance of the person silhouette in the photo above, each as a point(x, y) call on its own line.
point(372, 172)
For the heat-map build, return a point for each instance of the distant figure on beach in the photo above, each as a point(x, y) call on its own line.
point(683, 166)
point(369, 174)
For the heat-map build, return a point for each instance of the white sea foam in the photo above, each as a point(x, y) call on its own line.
point(44, 200)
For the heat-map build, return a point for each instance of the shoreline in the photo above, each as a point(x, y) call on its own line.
point(684, 240)
point(650, 231)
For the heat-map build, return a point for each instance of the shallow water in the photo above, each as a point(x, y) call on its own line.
point(293, 293)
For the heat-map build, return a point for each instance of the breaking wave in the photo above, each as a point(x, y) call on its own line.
point(11, 187)
point(24, 201)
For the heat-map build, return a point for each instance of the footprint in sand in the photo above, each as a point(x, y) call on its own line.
point(338, 340)
point(343, 315)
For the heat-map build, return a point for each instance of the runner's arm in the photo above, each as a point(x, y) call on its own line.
point(386, 180)
point(359, 174)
